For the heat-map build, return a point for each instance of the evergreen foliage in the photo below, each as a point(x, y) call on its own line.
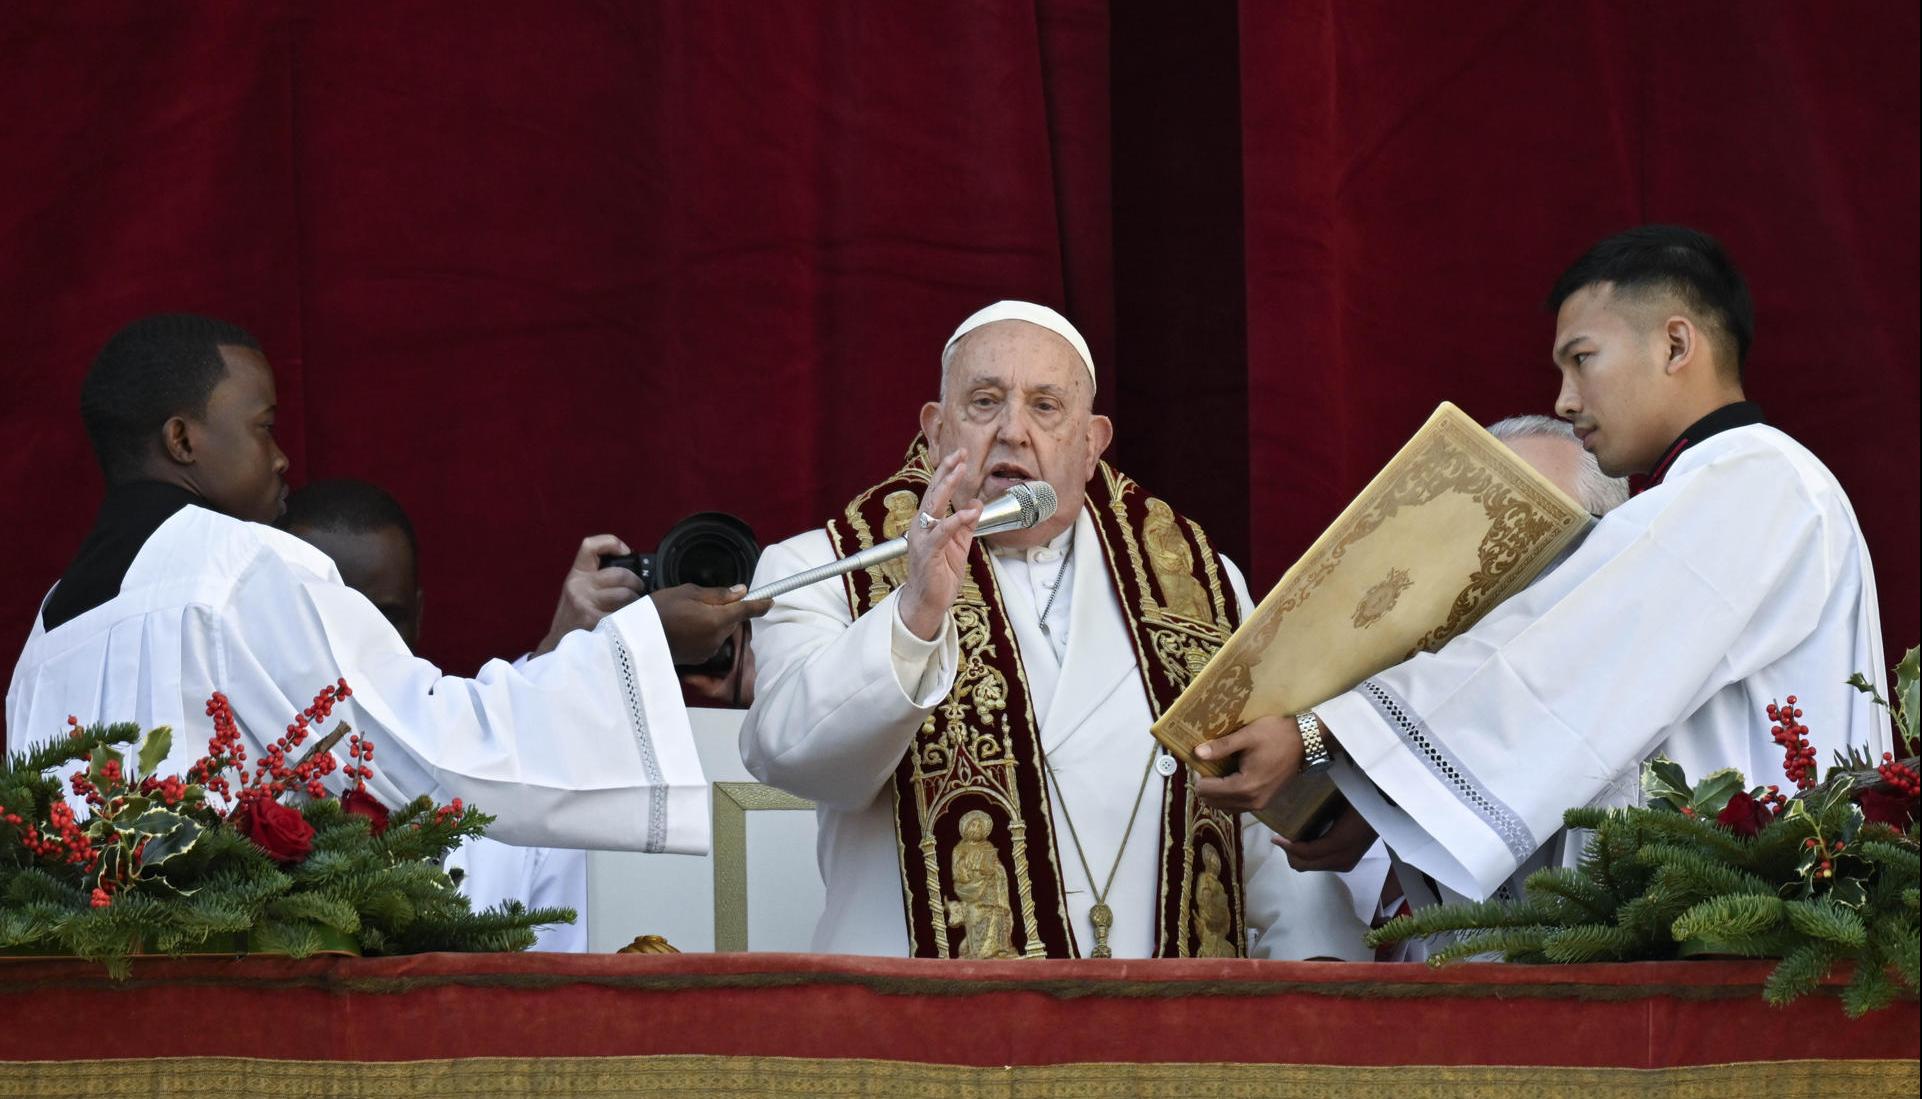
point(160, 869)
point(1655, 883)
point(1710, 868)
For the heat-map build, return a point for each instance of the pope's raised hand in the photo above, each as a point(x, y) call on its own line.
point(938, 546)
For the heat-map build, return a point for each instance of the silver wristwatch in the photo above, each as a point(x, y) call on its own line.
point(1314, 748)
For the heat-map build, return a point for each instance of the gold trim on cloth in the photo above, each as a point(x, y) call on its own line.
point(731, 804)
point(696, 1074)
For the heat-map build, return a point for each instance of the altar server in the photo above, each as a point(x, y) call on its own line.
point(1737, 577)
point(972, 721)
point(372, 542)
point(182, 590)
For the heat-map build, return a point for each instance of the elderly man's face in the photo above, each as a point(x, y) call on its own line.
point(1018, 398)
point(1558, 459)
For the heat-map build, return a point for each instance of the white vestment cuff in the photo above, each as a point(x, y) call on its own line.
point(678, 815)
point(924, 680)
point(1421, 819)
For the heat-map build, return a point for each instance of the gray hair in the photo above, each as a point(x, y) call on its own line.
point(1600, 493)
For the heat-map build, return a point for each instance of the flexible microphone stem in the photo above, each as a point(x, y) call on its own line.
point(1021, 507)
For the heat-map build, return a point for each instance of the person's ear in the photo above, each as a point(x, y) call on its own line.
point(176, 439)
point(931, 427)
point(1680, 340)
point(1100, 434)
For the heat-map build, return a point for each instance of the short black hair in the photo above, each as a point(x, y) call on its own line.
point(1685, 262)
point(152, 370)
point(347, 505)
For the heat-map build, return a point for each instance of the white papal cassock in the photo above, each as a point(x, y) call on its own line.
point(1741, 578)
point(838, 701)
point(586, 746)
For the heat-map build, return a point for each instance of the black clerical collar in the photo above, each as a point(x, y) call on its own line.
point(1739, 414)
point(128, 517)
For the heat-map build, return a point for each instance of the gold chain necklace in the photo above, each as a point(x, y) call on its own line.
point(1101, 916)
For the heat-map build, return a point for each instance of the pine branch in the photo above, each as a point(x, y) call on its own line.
point(1870, 988)
point(1578, 889)
point(1799, 973)
point(1824, 919)
point(1590, 943)
point(1693, 874)
point(1696, 834)
point(1730, 918)
point(1509, 942)
point(1458, 916)
point(1897, 940)
point(319, 908)
point(1901, 864)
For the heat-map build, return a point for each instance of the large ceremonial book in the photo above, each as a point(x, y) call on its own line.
point(1455, 524)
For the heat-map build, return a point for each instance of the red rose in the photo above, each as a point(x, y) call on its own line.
point(360, 803)
point(281, 832)
point(1743, 815)
point(1884, 806)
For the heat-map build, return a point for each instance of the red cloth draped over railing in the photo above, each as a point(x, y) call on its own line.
point(1554, 1027)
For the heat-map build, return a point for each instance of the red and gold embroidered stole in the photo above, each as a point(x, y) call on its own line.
point(979, 861)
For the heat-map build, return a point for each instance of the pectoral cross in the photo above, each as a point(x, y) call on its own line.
point(1103, 918)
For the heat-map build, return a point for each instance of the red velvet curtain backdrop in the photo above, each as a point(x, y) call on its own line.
point(541, 270)
point(548, 270)
point(1418, 175)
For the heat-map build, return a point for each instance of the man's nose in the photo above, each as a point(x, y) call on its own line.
point(1568, 403)
point(280, 460)
point(1012, 428)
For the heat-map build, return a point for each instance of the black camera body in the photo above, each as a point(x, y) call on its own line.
point(710, 548)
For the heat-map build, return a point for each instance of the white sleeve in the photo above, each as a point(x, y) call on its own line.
point(587, 746)
point(838, 700)
point(1464, 760)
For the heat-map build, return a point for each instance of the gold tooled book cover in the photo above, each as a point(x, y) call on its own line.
point(1454, 524)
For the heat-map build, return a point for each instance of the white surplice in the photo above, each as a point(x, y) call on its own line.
point(586, 746)
point(1739, 580)
point(838, 702)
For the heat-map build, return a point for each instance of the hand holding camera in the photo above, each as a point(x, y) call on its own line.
point(592, 591)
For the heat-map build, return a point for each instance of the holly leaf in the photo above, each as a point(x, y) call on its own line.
point(1907, 673)
point(1664, 782)
point(153, 822)
point(154, 749)
point(1861, 683)
point(1850, 892)
point(1711, 795)
point(177, 840)
point(1852, 824)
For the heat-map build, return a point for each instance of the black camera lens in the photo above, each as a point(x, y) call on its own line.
point(712, 549)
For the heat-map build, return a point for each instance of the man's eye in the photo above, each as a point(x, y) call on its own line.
point(1581, 357)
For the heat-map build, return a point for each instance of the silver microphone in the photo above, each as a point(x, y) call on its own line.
point(1019, 508)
